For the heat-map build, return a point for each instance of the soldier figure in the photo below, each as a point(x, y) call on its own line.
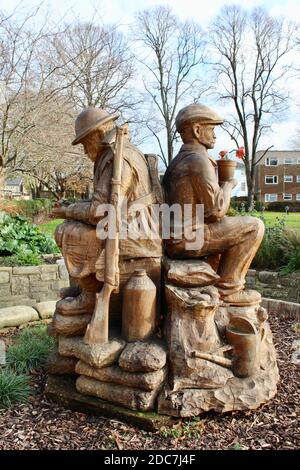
point(191, 178)
point(96, 131)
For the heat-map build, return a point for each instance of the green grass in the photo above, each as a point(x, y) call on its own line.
point(14, 388)
point(49, 227)
point(292, 220)
point(30, 349)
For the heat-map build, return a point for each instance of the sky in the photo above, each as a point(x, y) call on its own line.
point(122, 12)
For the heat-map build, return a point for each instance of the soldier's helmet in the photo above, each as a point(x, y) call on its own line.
point(89, 120)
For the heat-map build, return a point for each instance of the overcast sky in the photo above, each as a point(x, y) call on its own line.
point(122, 12)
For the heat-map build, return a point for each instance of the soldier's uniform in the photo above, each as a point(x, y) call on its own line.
point(191, 178)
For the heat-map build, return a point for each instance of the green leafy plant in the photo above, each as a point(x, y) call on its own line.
point(30, 349)
point(275, 249)
point(191, 429)
point(296, 327)
point(18, 238)
point(293, 263)
point(23, 258)
point(14, 388)
point(236, 446)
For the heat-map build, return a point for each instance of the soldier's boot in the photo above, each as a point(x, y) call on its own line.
point(84, 302)
point(72, 291)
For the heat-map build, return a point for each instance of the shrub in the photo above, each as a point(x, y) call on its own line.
point(14, 388)
point(30, 350)
point(293, 262)
point(275, 249)
point(280, 206)
point(29, 208)
point(23, 258)
point(232, 212)
point(19, 237)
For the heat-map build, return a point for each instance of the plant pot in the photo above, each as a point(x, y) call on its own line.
point(226, 170)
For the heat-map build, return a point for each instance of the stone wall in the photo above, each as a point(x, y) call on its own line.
point(28, 285)
point(274, 285)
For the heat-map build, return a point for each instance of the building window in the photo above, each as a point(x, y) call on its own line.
point(297, 197)
point(271, 161)
point(298, 178)
point(271, 179)
point(243, 186)
point(288, 161)
point(270, 197)
point(298, 161)
point(287, 197)
point(288, 179)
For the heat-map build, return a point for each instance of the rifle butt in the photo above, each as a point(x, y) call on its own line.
point(97, 329)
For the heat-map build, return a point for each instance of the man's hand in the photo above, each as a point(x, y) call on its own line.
point(233, 183)
point(60, 209)
point(230, 184)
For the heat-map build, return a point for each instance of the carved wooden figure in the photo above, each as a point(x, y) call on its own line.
point(213, 349)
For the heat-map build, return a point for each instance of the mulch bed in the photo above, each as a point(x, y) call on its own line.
point(42, 425)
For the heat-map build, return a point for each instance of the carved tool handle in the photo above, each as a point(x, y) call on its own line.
point(97, 330)
point(220, 360)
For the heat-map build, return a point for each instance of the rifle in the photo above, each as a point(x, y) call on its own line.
point(97, 330)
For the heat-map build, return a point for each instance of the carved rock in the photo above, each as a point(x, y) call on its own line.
point(184, 400)
point(57, 364)
point(70, 326)
point(144, 381)
point(237, 394)
point(132, 398)
point(189, 273)
point(100, 355)
point(143, 357)
point(51, 330)
point(190, 328)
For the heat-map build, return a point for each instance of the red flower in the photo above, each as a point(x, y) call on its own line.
point(240, 153)
point(223, 153)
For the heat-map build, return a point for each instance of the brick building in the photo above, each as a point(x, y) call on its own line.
point(278, 176)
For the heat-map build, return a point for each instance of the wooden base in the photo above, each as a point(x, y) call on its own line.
point(61, 390)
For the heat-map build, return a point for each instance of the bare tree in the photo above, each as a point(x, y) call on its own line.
point(171, 51)
point(46, 72)
point(25, 82)
point(48, 159)
point(252, 64)
point(96, 66)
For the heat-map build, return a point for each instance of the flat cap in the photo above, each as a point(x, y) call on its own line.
point(198, 112)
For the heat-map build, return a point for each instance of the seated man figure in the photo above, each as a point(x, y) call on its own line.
point(191, 178)
point(76, 237)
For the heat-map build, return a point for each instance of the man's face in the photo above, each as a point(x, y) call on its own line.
point(206, 135)
point(91, 145)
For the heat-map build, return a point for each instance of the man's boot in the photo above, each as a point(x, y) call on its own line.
point(84, 302)
point(242, 298)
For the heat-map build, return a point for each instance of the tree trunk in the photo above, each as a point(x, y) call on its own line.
point(250, 199)
point(2, 181)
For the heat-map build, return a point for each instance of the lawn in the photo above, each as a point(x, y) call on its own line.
point(49, 227)
point(292, 219)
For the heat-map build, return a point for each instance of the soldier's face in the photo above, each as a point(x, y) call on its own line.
point(207, 136)
point(91, 146)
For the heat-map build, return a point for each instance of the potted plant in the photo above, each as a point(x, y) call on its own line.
point(226, 166)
